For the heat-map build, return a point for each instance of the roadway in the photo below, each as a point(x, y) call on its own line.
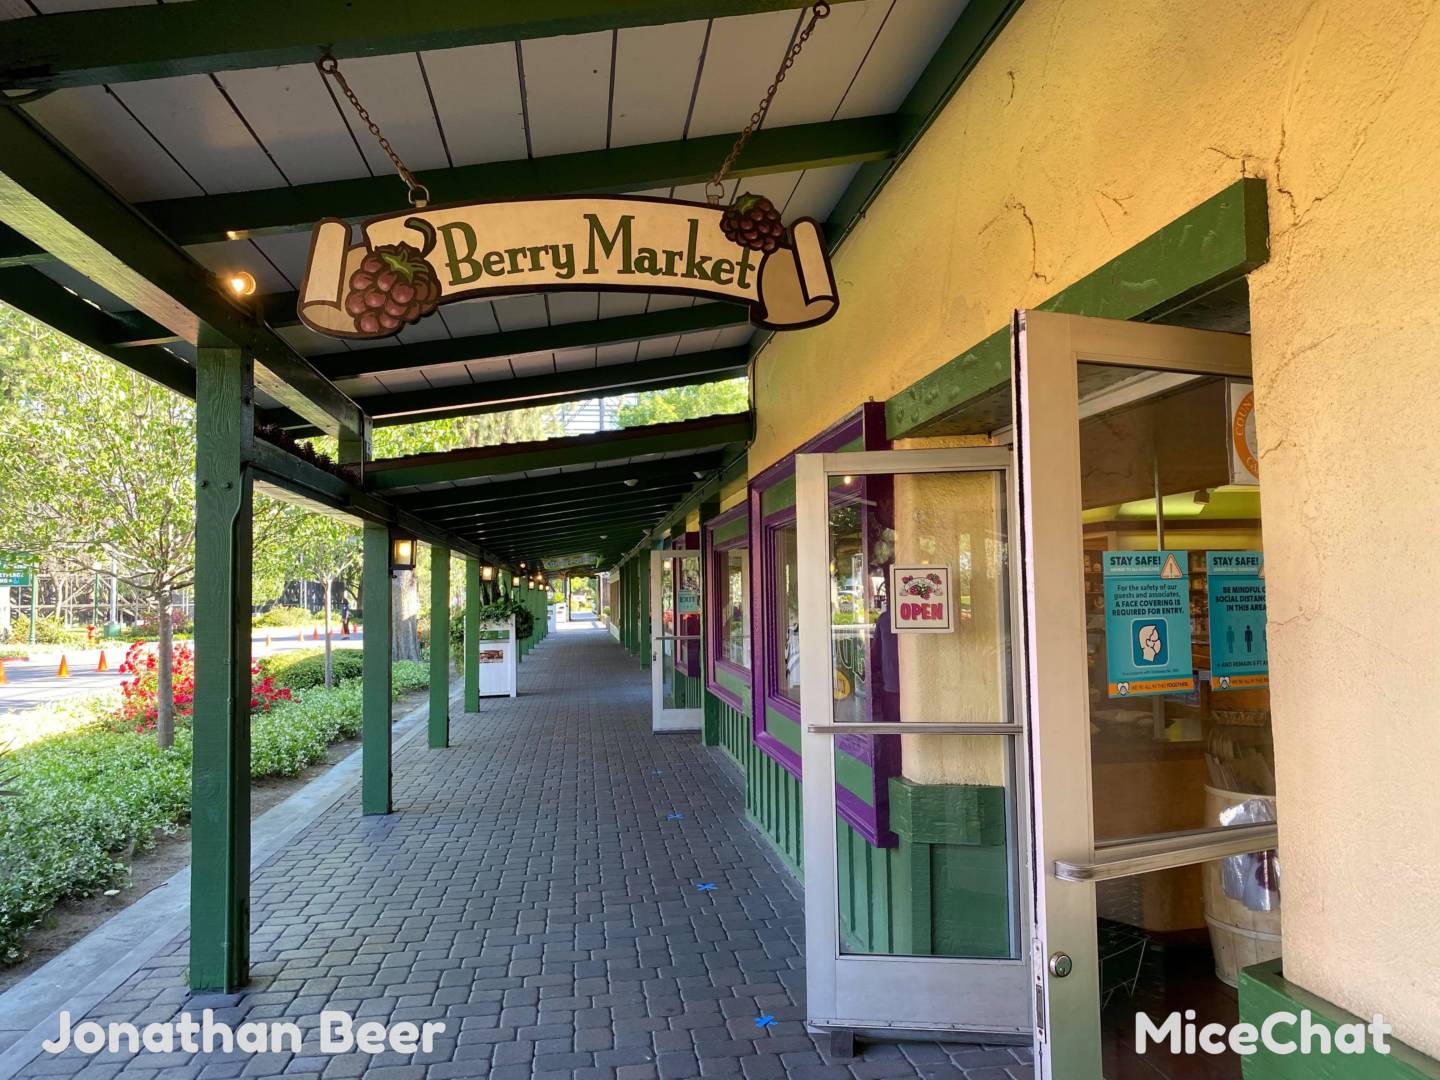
point(35, 682)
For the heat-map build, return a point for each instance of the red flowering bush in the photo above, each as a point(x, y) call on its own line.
point(140, 694)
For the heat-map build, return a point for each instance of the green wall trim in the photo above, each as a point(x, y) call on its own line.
point(785, 730)
point(471, 622)
point(1264, 991)
point(1205, 249)
point(728, 680)
point(731, 530)
point(947, 813)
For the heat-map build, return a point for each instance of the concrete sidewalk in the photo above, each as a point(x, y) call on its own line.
point(534, 891)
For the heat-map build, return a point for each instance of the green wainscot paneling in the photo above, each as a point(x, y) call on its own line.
point(1264, 991)
point(726, 726)
point(772, 799)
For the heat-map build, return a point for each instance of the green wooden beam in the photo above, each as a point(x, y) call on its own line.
point(49, 302)
point(528, 514)
point(963, 46)
point(575, 335)
point(503, 395)
point(375, 676)
point(438, 725)
point(560, 485)
point(220, 722)
point(561, 538)
point(207, 219)
point(471, 464)
point(284, 471)
point(205, 36)
point(503, 536)
point(471, 661)
point(1204, 250)
point(56, 202)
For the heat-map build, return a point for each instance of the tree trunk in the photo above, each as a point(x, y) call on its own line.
point(405, 597)
point(165, 674)
point(329, 668)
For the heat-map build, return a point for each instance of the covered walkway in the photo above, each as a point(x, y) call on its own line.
point(533, 888)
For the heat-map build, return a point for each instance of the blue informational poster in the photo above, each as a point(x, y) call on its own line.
point(1239, 652)
point(1147, 623)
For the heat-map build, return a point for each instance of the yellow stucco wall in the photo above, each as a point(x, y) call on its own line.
point(1088, 126)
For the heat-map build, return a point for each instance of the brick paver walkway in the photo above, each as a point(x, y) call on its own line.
point(533, 891)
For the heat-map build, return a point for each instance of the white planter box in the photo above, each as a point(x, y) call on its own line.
point(497, 658)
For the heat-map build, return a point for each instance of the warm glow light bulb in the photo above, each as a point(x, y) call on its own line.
point(241, 283)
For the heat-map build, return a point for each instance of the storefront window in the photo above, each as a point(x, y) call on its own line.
point(733, 617)
point(787, 613)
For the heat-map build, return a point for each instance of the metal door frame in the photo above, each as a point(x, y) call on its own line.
point(1047, 349)
point(661, 718)
point(899, 993)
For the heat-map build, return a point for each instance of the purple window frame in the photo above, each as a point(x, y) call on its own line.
point(715, 604)
point(880, 753)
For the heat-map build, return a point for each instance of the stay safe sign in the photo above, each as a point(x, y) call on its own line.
point(921, 600)
point(1147, 623)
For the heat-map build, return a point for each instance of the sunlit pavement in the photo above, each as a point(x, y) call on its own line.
point(36, 681)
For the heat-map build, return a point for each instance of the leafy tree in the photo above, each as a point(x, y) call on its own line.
point(684, 403)
point(101, 467)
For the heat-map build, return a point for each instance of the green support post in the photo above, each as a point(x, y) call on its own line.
point(472, 636)
point(220, 722)
point(375, 674)
point(643, 573)
point(439, 647)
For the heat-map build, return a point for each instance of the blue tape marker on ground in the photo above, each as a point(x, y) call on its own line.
point(705, 886)
point(764, 1021)
point(675, 817)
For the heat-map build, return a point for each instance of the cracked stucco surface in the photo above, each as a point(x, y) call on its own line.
point(1085, 128)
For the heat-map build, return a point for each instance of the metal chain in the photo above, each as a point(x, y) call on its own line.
point(419, 194)
point(715, 187)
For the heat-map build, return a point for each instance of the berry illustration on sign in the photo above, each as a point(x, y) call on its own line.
point(920, 600)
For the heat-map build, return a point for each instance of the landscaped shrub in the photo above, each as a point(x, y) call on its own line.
point(48, 631)
point(140, 694)
point(90, 792)
point(305, 668)
point(280, 615)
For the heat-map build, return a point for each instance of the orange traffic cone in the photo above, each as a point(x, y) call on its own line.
point(103, 665)
point(64, 672)
point(3, 678)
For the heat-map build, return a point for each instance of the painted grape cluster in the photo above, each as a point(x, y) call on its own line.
point(753, 222)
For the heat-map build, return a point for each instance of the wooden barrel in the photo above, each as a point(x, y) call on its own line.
point(1239, 936)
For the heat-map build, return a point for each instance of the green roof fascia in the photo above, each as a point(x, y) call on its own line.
point(1205, 249)
point(457, 465)
point(589, 480)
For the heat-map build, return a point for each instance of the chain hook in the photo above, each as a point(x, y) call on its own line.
point(818, 11)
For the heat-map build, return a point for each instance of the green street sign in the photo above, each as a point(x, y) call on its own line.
point(17, 569)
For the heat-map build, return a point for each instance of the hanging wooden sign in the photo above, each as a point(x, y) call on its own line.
point(409, 263)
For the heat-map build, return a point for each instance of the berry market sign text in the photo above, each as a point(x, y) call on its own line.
point(410, 262)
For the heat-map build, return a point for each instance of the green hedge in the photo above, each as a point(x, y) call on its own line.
point(90, 796)
point(304, 669)
point(281, 615)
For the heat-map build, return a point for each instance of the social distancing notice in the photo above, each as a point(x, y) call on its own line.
point(1147, 623)
point(1239, 652)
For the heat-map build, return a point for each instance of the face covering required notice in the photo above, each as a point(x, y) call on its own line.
point(1147, 623)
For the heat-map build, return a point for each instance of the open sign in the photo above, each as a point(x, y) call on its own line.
point(920, 600)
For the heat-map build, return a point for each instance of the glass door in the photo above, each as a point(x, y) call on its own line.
point(675, 647)
point(1143, 573)
point(913, 748)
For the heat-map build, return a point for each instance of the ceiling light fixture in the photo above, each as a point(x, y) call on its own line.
point(240, 283)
